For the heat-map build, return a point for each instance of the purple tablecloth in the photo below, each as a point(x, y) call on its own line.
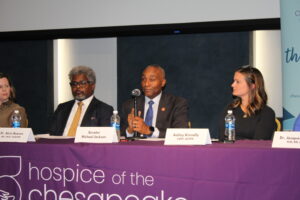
point(59, 169)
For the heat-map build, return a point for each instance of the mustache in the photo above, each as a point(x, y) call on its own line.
point(79, 95)
point(80, 98)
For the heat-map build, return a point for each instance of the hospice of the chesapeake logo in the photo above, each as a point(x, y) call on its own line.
point(10, 188)
point(59, 183)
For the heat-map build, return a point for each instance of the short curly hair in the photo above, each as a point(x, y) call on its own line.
point(87, 71)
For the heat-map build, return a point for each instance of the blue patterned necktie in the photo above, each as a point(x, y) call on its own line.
point(149, 114)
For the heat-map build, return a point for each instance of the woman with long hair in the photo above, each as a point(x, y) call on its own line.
point(254, 119)
point(7, 104)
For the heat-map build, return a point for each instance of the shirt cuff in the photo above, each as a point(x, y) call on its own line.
point(129, 134)
point(155, 133)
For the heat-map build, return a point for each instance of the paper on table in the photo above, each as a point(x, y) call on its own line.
point(48, 136)
point(151, 139)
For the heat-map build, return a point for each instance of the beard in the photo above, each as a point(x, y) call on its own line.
point(80, 97)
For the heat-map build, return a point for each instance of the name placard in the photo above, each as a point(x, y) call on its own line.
point(187, 136)
point(96, 135)
point(22, 135)
point(286, 139)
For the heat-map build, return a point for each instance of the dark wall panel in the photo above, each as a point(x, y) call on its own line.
point(198, 67)
point(30, 65)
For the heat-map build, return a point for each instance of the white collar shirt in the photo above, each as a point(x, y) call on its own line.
point(155, 105)
point(156, 100)
point(85, 105)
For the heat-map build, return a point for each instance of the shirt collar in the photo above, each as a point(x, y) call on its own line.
point(87, 101)
point(155, 99)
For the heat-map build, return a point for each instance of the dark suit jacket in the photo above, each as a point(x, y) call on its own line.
point(97, 114)
point(172, 113)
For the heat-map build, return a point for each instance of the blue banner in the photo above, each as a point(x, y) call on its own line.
point(290, 37)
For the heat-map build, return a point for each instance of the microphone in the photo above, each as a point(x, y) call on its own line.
point(135, 93)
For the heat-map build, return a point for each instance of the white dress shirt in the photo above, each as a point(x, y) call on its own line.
point(85, 105)
point(156, 100)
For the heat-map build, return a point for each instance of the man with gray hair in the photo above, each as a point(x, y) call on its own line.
point(84, 110)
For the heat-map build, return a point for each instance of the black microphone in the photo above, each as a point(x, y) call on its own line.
point(135, 93)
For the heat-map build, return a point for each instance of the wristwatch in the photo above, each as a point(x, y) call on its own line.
point(151, 129)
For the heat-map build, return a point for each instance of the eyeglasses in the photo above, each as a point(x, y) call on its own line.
point(81, 84)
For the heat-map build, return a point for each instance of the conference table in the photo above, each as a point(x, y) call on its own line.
point(148, 170)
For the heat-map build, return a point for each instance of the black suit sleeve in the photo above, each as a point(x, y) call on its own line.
point(97, 114)
point(172, 113)
point(56, 121)
point(178, 117)
point(125, 110)
point(105, 115)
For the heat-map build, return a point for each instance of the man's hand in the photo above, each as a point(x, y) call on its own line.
point(130, 118)
point(136, 123)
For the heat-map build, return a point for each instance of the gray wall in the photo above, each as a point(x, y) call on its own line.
point(99, 54)
point(62, 14)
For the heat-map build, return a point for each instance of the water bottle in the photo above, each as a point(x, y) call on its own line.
point(229, 127)
point(115, 122)
point(16, 119)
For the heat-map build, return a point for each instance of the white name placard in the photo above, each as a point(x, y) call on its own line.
point(286, 139)
point(187, 136)
point(22, 135)
point(96, 135)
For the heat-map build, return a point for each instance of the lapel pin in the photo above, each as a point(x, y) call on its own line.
point(163, 109)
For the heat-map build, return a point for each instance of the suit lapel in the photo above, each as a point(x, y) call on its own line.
point(161, 109)
point(66, 110)
point(89, 113)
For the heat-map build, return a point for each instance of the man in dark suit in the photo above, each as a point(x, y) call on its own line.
point(166, 110)
point(84, 110)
